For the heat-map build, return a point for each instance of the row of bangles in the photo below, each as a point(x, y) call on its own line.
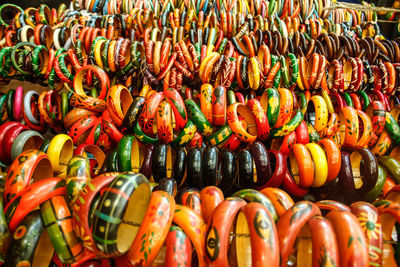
point(198, 133)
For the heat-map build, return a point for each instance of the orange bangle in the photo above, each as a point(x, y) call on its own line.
point(303, 73)
point(186, 54)
point(219, 104)
point(164, 122)
point(264, 57)
point(333, 157)
point(250, 46)
point(206, 107)
point(321, 71)
point(153, 229)
point(279, 198)
point(271, 75)
point(118, 102)
point(313, 69)
point(156, 57)
point(392, 77)
point(348, 128)
point(210, 198)
point(367, 129)
point(209, 66)
point(111, 56)
point(382, 145)
point(286, 107)
point(236, 126)
point(301, 165)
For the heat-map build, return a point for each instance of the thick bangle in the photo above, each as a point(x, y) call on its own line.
point(31, 164)
point(18, 103)
point(289, 229)
point(108, 127)
point(10, 103)
point(348, 128)
point(260, 118)
point(94, 151)
point(154, 229)
point(286, 107)
point(26, 141)
point(367, 126)
point(206, 91)
point(333, 157)
point(87, 102)
point(279, 198)
point(164, 122)
point(391, 166)
point(30, 198)
point(147, 117)
point(262, 163)
point(279, 171)
point(81, 209)
point(376, 111)
point(317, 112)
point(320, 164)
point(131, 115)
point(392, 127)
point(9, 139)
point(346, 226)
point(29, 244)
point(198, 118)
point(82, 131)
point(114, 212)
point(59, 152)
point(295, 121)
point(118, 101)
point(57, 219)
point(178, 107)
point(210, 198)
point(219, 136)
point(194, 167)
point(301, 165)
point(74, 115)
point(271, 103)
point(233, 112)
point(128, 154)
point(177, 243)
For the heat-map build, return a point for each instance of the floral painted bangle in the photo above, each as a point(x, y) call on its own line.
point(178, 107)
point(119, 100)
point(177, 243)
point(198, 118)
point(376, 111)
point(233, 112)
point(114, 212)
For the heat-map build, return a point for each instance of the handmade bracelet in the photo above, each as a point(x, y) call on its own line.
point(59, 152)
point(164, 122)
point(114, 212)
point(74, 115)
point(317, 112)
point(234, 110)
point(156, 224)
point(146, 118)
point(286, 107)
point(348, 128)
point(178, 107)
point(301, 165)
point(333, 157)
point(376, 111)
point(198, 118)
point(175, 246)
point(118, 101)
point(129, 156)
point(83, 131)
point(99, 73)
point(30, 198)
point(25, 141)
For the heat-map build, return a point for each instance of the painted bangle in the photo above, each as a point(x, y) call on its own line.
point(219, 136)
point(297, 118)
point(164, 122)
point(57, 218)
point(233, 112)
point(100, 74)
point(18, 103)
point(391, 166)
point(124, 191)
point(271, 103)
point(301, 165)
point(146, 118)
point(198, 118)
point(348, 128)
point(25, 141)
point(154, 229)
point(333, 157)
point(194, 167)
point(178, 107)
point(74, 115)
point(81, 131)
point(367, 129)
point(108, 127)
point(128, 154)
point(30, 164)
point(59, 152)
point(30, 198)
point(87, 102)
point(262, 163)
point(317, 107)
point(376, 111)
point(9, 139)
point(178, 247)
point(30, 244)
point(96, 152)
point(162, 162)
point(118, 101)
point(206, 101)
point(392, 127)
point(260, 117)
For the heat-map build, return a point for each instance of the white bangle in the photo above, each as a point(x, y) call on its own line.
point(56, 39)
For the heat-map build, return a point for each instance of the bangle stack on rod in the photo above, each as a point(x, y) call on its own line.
point(198, 133)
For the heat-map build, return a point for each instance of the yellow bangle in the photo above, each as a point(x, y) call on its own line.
point(321, 113)
point(97, 52)
point(60, 152)
point(254, 73)
point(156, 57)
point(320, 164)
point(205, 61)
point(328, 101)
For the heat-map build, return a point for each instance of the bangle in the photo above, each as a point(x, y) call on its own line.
point(210, 165)
point(142, 137)
point(217, 239)
point(96, 152)
point(198, 118)
point(297, 118)
point(392, 127)
point(146, 118)
point(289, 229)
point(194, 226)
point(130, 118)
point(119, 100)
point(57, 219)
point(10, 104)
point(271, 103)
point(346, 226)
point(30, 198)
point(162, 162)
point(206, 91)
point(100, 74)
point(219, 136)
point(376, 111)
point(194, 164)
point(18, 103)
point(26, 141)
point(129, 156)
point(348, 128)
point(286, 107)
point(82, 131)
point(77, 175)
point(261, 162)
point(260, 117)
point(280, 169)
point(210, 198)
point(390, 164)
point(301, 135)
point(367, 129)
point(333, 156)
point(317, 113)
point(164, 122)
point(233, 112)
point(219, 106)
point(59, 152)
point(108, 127)
point(178, 107)
point(177, 243)
point(9, 139)
point(74, 115)
point(301, 165)
point(81, 209)
point(153, 230)
point(87, 102)
point(280, 199)
point(320, 164)
point(116, 214)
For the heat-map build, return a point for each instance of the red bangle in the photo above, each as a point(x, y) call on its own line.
point(292, 188)
point(302, 135)
point(147, 116)
point(96, 152)
point(80, 131)
point(219, 106)
point(18, 107)
point(4, 128)
point(118, 102)
point(30, 198)
point(178, 248)
point(178, 107)
point(9, 139)
point(210, 198)
point(260, 118)
point(109, 128)
point(280, 169)
point(101, 76)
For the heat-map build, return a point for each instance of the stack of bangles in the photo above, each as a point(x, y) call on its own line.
point(204, 133)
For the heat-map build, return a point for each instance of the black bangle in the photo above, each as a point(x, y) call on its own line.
point(210, 165)
point(179, 166)
point(245, 162)
point(228, 171)
point(261, 160)
point(194, 168)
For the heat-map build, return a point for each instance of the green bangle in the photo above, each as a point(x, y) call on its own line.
point(186, 134)
point(231, 97)
point(377, 190)
point(312, 133)
point(104, 55)
point(5, 61)
point(392, 166)
point(289, 127)
point(219, 136)
point(64, 104)
point(2, 22)
point(136, 52)
point(45, 145)
point(93, 93)
point(127, 152)
point(63, 67)
point(392, 127)
point(365, 100)
point(141, 136)
point(98, 38)
point(278, 76)
point(273, 105)
point(111, 162)
point(285, 71)
point(198, 118)
point(294, 63)
point(78, 50)
point(3, 109)
point(14, 62)
point(303, 102)
point(10, 104)
point(52, 77)
point(37, 69)
point(347, 99)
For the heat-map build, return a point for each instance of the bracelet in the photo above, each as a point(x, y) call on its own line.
point(260, 117)
point(114, 212)
point(348, 128)
point(146, 118)
point(119, 100)
point(30, 198)
point(57, 218)
point(129, 156)
point(8, 140)
point(59, 152)
point(236, 109)
point(198, 118)
point(320, 164)
point(87, 102)
point(178, 107)
point(153, 230)
point(26, 141)
point(99, 73)
point(177, 243)
point(164, 122)
point(74, 115)
point(194, 166)
point(301, 165)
